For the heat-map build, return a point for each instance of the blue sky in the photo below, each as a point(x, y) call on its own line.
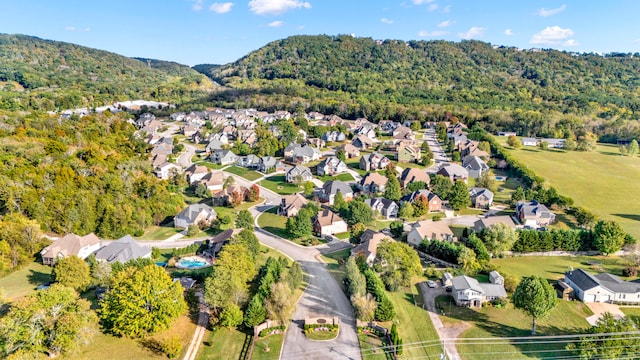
point(220, 31)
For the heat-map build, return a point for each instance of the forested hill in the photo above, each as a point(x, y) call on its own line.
point(393, 78)
point(48, 75)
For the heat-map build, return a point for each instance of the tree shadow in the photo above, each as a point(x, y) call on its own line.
point(38, 278)
point(153, 345)
point(635, 217)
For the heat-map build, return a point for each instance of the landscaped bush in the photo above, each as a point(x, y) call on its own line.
point(172, 347)
point(272, 330)
point(630, 271)
point(320, 326)
point(370, 330)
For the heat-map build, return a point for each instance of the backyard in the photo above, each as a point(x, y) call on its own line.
point(20, 283)
point(279, 185)
point(244, 172)
point(572, 173)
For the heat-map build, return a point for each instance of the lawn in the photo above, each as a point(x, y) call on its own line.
point(335, 264)
point(414, 326)
point(244, 172)
point(20, 283)
point(631, 311)
point(354, 163)
point(369, 345)
point(279, 185)
point(341, 177)
point(322, 335)
point(274, 342)
point(224, 344)
point(573, 173)
point(273, 223)
point(568, 317)
point(159, 232)
point(231, 213)
point(554, 267)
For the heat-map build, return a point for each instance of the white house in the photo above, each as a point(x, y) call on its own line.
point(195, 214)
point(68, 245)
point(526, 141)
point(602, 287)
point(328, 223)
point(467, 291)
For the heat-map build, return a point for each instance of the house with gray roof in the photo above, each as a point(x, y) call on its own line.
point(603, 287)
point(249, 161)
point(267, 163)
point(300, 154)
point(468, 292)
point(331, 166)
point(490, 221)
point(481, 198)
point(454, 172)
point(299, 173)
point(475, 166)
point(533, 214)
point(123, 250)
point(195, 214)
point(224, 157)
point(387, 208)
point(330, 188)
point(527, 141)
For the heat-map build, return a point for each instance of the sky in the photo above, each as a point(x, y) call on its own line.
point(221, 31)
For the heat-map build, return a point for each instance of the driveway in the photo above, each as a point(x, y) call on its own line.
point(600, 308)
point(449, 332)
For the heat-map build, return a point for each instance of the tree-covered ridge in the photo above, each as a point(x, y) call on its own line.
point(80, 175)
point(391, 79)
point(51, 75)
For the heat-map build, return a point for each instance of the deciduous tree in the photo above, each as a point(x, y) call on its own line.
point(536, 297)
point(73, 272)
point(608, 236)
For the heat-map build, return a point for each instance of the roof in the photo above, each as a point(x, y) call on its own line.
point(370, 240)
point(422, 192)
point(373, 178)
point(453, 170)
point(122, 250)
point(474, 163)
point(222, 237)
point(70, 244)
point(494, 275)
point(327, 217)
point(494, 290)
point(474, 192)
point(432, 229)
point(616, 284)
point(190, 213)
point(533, 209)
point(410, 175)
point(298, 170)
point(296, 201)
point(493, 220)
point(582, 279)
point(464, 282)
point(386, 203)
point(331, 187)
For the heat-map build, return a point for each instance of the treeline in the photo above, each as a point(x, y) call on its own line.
point(546, 93)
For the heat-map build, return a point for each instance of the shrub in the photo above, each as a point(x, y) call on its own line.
point(271, 330)
point(172, 346)
point(630, 271)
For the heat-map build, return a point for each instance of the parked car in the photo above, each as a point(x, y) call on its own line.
point(432, 284)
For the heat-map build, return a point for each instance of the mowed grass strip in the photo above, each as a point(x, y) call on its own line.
point(279, 185)
point(244, 172)
point(20, 283)
point(602, 181)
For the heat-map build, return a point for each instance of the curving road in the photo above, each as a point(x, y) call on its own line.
point(185, 158)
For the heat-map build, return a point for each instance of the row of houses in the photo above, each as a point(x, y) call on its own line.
point(121, 250)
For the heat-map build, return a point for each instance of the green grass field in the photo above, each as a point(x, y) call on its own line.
point(336, 265)
point(20, 283)
point(274, 344)
point(273, 223)
point(224, 344)
point(244, 172)
point(341, 177)
point(568, 317)
point(159, 232)
point(370, 347)
point(602, 181)
point(279, 185)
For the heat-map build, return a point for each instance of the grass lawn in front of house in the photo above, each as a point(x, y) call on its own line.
point(279, 185)
point(354, 163)
point(159, 232)
point(231, 213)
point(631, 311)
point(342, 177)
point(568, 317)
point(336, 265)
point(470, 211)
point(244, 172)
point(343, 236)
point(25, 280)
point(272, 222)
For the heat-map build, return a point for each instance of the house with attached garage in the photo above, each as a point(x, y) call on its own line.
point(481, 198)
point(331, 166)
point(195, 214)
point(434, 201)
point(429, 230)
point(298, 154)
point(410, 175)
point(299, 173)
point(468, 292)
point(454, 172)
point(362, 142)
point(602, 287)
point(123, 250)
point(527, 141)
point(350, 151)
point(534, 214)
point(374, 161)
point(224, 157)
point(373, 183)
point(328, 223)
point(475, 166)
point(70, 245)
point(490, 221)
point(166, 170)
point(387, 208)
point(368, 247)
point(331, 188)
point(292, 204)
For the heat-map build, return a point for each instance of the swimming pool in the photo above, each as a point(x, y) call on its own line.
point(193, 262)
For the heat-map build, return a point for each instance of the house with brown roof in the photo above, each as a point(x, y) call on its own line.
point(291, 205)
point(429, 230)
point(368, 247)
point(328, 223)
point(362, 142)
point(213, 180)
point(410, 175)
point(374, 161)
point(373, 183)
point(195, 172)
point(402, 133)
point(70, 245)
point(350, 151)
point(454, 172)
point(433, 200)
point(489, 221)
point(225, 196)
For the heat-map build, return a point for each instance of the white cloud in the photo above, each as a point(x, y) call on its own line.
point(276, 23)
point(551, 35)
point(73, 28)
point(548, 12)
point(420, 2)
point(386, 21)
point(221, 8)
point(435, 33)
point(446, 9)
point(571, 42)
point(446, 23)
point(432, 7)
point(636, 41)
point(263, 7)
point(473, 32)
point(197, 5)
point(508, 32)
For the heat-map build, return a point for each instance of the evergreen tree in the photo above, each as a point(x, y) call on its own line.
point(393, 191)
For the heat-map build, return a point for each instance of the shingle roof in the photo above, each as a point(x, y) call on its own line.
point(331, 187)
point(190, 213)
point(582, 279)
point(463, 282)
point(70, 244)
point(327, 217)
point(122, 250)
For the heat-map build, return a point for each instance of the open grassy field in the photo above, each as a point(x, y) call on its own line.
point(273, 343)
point(370, 347)
point(568, 317)
point(279, 185)
point(244, 172)
point(554, 267)
point(20, 283)
point(273, 223)
point(223, 344)
point(602, 181)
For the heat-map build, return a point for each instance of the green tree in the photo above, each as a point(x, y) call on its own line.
point(393, 190)
point(308, 188)
point(249, 240)
point(73, 272)
point(608, 236)
point(406, 210)
point(357, 284)
point(632, 149)
point(364, 306)
point(54, 321)
point(338, 202)
point(341, 155)
point(569, 144)
point(228, 282)
point(141, 302)
point(397, 228)
point(536, 297)
point(514, 142)
point(441, 186)
point(398, 261)
point(467, 260)
point(255, 314)
point(231, 316)
point(101, 273)
point(201, 191)
point(356, 232)
point(543, 145)
point(499, 237)
point(294, 275)
point(244, 220)
point(488, 181)
point(608, 346)
point(280, 304)
point(459, 196)
point(300, 225)
point(359, 212)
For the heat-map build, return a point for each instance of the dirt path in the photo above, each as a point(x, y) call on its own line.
point(203, 320)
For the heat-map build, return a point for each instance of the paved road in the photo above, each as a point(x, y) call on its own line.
point(185, 158)
point(439, 156)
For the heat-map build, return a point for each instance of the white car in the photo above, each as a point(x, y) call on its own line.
point(432, 284)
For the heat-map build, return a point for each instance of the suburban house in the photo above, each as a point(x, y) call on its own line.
point(410, 175)
point(195, 214)
point(489, 221)
point(429, 230)
point(402, 133)
point(328, 223)
point(224, 157)
point(68, 245)
point(373, 183)
point(215, 244)
point(267, 163)
point(291, 205)
point(368, 247)
point(213, 180)
point(317, 142)
point(190, 129)
point(475, 166)
point(298, 173)
point(534, 214)
point(300, 154)
point(331, 188)
point(350, 151)
point(408, 153)
point(334, 136)
point(554, 143)
point(213, 145)
point(471, 148)
point(362, 142)
point(249, 161)
point(123, 250)
point(468, 292)
point(387, 208)
point(366, 130)
point(603, 287)
point(195, 173)
point(481, 198)
point(374, 161)
point(166, 170)
point(227, 194)
point(331, 166)
point(527, 141)
point(456, 129)
point(454, 172)
point(435, 203)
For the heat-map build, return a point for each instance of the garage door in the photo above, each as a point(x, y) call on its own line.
point(604, 298)
point(589, 298)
